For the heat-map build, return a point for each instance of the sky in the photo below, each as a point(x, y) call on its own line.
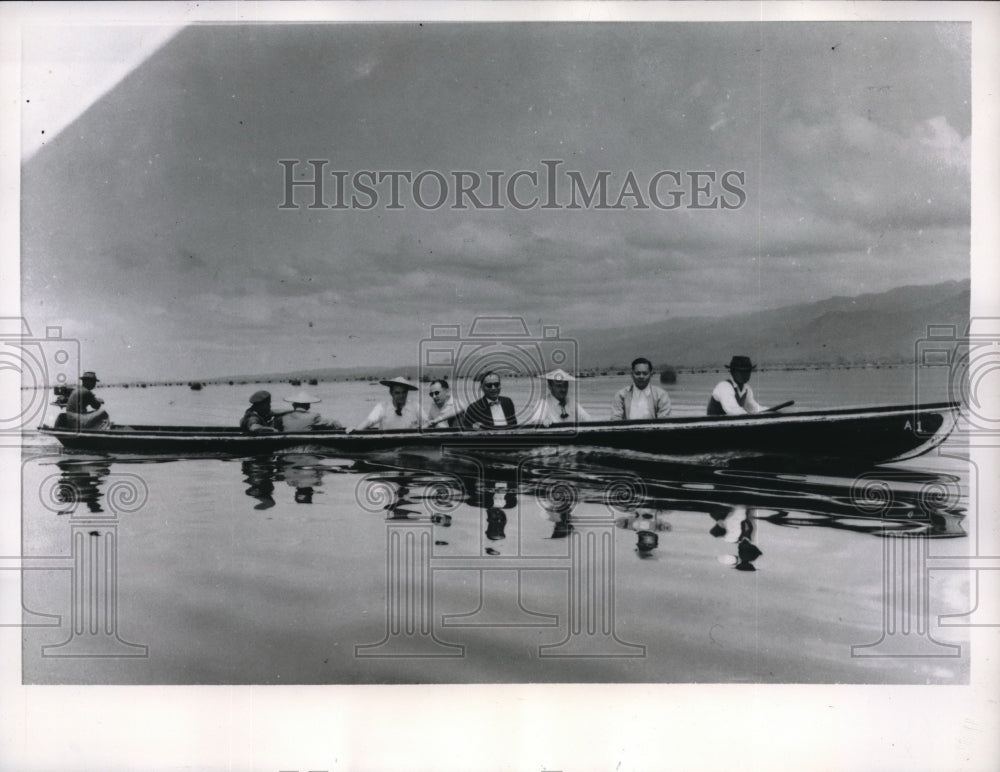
point(152, 227)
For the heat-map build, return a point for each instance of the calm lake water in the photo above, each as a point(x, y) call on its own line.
point(476, 566)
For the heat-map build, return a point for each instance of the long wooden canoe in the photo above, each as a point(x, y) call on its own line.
point(847, 436)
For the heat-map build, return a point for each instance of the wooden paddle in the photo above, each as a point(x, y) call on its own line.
point(779, 407)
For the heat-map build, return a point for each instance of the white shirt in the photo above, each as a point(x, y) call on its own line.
point(642, 404)
point(499, 419)
point(548, 411)
point(383, 416)
point(725, 394)
point(439, 415)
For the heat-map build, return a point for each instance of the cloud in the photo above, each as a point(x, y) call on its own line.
point(853, 141)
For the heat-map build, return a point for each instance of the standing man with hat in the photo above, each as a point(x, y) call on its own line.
point(557, 407)
point(733, 396)
point(302, 419)
point(258, 418)
point(641, 400)
point(83, 398)
point(395, 413)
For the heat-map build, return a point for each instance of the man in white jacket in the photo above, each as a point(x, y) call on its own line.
point(558, 407)
point(641, 400)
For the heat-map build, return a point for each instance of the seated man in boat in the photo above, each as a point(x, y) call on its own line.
point(258, 418)
point(443, 411)
point(558, 407)
point(491, 411)
point(83, 409)
point(395, 413)
point(301, 418)
point(734, 396)
point(640, 400)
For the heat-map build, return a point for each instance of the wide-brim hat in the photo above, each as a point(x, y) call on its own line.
point(89, 374)
point(399, 381)
point(303, 397)
point(741, 363)
point(259, 396)
point(558, 375)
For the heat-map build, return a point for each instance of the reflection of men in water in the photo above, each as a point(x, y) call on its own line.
point(558, 502)
point(557, 406)
point(259, 473)
point(83, 409)
point(483, 494)
point(302, 473)
point(736, 526)
point(645, 524)
point(496, 521)
point(734, 396)
point(81, 482)
point(746, 551)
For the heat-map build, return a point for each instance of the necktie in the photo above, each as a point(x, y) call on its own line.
point(562, 406)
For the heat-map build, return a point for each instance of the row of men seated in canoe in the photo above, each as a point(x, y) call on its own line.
point(640, 400)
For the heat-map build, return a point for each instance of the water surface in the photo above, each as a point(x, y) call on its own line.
point(479, 566)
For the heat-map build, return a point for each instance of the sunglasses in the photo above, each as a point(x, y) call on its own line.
point(491, 385)
point(434, 393)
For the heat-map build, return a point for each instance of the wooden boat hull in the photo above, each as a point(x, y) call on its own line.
point(853, 436)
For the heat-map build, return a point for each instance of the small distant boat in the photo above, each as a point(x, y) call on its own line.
point(195, 386)
point(843, 437)
point(313, 381)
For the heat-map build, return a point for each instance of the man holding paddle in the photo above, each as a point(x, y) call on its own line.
point(733, 396)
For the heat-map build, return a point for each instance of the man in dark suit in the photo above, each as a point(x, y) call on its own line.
point(490, 411)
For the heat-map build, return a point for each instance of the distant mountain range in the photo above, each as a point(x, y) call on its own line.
point(878, 328)
point(869, 329)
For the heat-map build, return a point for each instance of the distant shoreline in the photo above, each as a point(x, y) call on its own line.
point(602, 372)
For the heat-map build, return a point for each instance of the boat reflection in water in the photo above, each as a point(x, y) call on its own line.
point(640, 496)
point(644, 498)
point(544, 566)
point(80, 483)
point(301, 471)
